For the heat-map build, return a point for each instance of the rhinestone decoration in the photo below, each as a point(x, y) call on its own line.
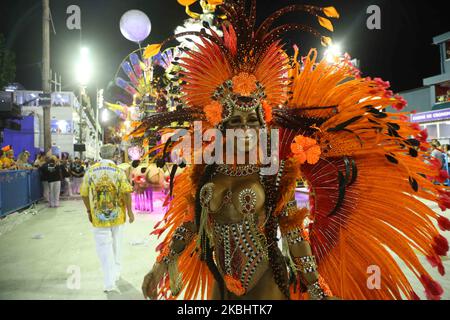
point(316, 292)
point(247, 200)
point(306, 264)
point(294, 236)
point(238, 171)
point(206, 194)
point(240, 239)
point(290, 207)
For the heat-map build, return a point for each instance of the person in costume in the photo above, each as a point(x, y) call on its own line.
point(366, 168)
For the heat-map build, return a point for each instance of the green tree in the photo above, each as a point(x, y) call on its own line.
point(7, 64)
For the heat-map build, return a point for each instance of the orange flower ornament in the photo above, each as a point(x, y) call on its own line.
point(306, 150)
point(244, 84)
point(213, 112)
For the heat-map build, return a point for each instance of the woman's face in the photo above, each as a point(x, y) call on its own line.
point(250, 124)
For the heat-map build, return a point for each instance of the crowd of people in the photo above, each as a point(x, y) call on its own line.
point(60, 176)
point(8, 162)
point(442, 153)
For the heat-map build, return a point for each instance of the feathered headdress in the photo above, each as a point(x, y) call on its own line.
point(247, 68)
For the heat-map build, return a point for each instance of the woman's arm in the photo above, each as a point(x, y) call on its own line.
point(291, 223)
point(169, 261)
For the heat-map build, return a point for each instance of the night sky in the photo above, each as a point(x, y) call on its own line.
point(402, 52)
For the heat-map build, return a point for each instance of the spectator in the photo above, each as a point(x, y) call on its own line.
point(65, 169)
point(446, 148)
point(40, 160)
point(106, 194)
point(437, 153)
point(77, 172)
point(23, 161)
point(44, 178)
point(446, 156)
point(53, 171)
point(8, 162)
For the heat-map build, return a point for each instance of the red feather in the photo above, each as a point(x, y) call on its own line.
point(414, 296)
point(436, 262)
point(444, 223)
point(433, 290)
point(440, 245)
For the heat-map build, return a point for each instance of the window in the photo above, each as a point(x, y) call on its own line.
point(432, 131)
point(61, 127)
point(447, 50)
point(60, 99)
point(443, 92)
point(444, 130)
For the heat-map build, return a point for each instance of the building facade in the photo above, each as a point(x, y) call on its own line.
point(431, 102)
point(65, 121)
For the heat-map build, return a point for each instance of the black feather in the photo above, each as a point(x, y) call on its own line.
point(377, 113)
point(354, 172)
point(172, 177)
point(394, 126)
point(347, 170)
point(413, 153)
point(413, 142)
point(341, 196)
point(344, 125)
point(381, 115)
point(393, 133)
point(414, 184)
point(391, 159)
point(374, 122)
point(295, 119)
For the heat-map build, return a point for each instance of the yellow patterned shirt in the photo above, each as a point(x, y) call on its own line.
point(106, 186)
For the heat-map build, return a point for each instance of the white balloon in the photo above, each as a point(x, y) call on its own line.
point(135, 25)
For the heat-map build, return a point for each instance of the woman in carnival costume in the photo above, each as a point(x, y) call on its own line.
point(366, 169)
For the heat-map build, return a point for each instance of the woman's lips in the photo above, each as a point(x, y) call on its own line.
point(247, 139)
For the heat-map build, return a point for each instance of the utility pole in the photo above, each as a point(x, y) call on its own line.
point(46, 84)
point(100, 102)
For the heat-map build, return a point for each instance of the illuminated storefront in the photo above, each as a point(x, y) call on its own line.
point(64, 120)
point(436, 122)
point(432, 101)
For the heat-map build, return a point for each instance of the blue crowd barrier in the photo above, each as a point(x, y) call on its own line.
point(18, 190)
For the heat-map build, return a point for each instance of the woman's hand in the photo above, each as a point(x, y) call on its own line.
point(152, 280)
point(130, 217)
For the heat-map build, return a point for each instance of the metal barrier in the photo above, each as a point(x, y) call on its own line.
point(18, 190)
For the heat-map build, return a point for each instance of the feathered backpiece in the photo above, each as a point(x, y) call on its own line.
point(369, 173)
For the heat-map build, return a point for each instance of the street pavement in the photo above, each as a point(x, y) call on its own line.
point(44, 252)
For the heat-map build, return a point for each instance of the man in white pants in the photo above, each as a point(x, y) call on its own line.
point(77, 172)
point(106, 193)
point(52, 172)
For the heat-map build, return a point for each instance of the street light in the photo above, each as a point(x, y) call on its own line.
point(84, 67)
point(83, 73)
point(105, 115)
point(333, 53)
